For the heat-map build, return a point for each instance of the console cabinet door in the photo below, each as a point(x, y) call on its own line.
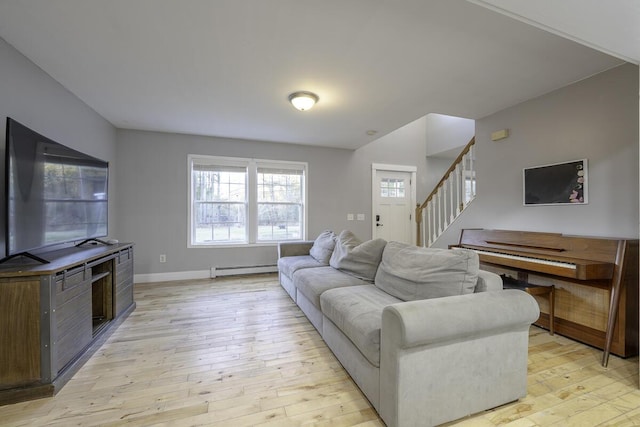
point(19, 331)
point(124, 280)
point(73, 328)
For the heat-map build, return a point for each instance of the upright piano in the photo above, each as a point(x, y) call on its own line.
point(595, 279)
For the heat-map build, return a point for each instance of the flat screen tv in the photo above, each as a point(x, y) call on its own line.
point(53, 194)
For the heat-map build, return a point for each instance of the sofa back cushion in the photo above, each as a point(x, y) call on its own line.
point(412, 273)
point(360, 259)
point(323, 247)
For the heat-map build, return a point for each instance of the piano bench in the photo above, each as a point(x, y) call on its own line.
point(509, 282)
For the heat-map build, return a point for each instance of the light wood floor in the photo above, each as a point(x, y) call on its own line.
point(238, 352)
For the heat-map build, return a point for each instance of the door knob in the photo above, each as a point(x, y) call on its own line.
point(379, 225)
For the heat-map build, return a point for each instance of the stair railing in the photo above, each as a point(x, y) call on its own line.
point(449, 198)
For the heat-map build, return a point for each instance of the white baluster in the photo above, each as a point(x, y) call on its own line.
point(460, 188)
point(432, 235)
point(452, 198)
point(436, 210)
point(472, 178)
point(440, 227)
point(445, 196)
point(426, 236)
point(464, 180)
point(433, 220)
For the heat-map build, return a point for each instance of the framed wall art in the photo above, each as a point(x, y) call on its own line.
point(558, 183)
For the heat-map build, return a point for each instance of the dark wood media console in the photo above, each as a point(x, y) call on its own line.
point(54, 316)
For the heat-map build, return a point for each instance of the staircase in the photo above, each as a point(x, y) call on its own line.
point(450, 197)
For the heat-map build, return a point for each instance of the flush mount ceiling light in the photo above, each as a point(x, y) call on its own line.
point(303, 100)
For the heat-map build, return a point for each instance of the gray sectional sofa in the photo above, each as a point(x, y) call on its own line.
point(426, 335)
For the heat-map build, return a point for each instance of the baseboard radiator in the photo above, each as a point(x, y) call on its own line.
point(239, 270)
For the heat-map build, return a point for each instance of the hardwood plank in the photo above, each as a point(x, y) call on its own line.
point(236, 351)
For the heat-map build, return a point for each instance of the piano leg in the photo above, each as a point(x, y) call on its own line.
point(614, 300)
point(552, 311)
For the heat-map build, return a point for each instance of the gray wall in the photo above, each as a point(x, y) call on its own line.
point(32, 97)
point(445, 133)
point(152, 200)
point(404, 147)
point(597, 119)
point(154, 195)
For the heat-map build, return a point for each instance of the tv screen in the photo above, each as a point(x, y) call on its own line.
point(54, 194)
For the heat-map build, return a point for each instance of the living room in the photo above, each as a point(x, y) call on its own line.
point(594, 117)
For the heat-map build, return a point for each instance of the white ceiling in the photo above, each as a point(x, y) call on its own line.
point(226, 67)
point(611, 26)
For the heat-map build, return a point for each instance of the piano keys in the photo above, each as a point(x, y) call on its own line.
point(573, 268)
point(596, 281)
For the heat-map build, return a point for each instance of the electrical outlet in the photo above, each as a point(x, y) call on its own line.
point(163, 258)
point(360, 217)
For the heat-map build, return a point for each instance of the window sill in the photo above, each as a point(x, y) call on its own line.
point(236, 245)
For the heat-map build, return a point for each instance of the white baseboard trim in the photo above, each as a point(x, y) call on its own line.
point(203, 274)
point(171, 276)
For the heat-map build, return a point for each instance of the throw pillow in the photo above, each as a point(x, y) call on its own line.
point(412, 273)
point(359, 259)
point(323, 247)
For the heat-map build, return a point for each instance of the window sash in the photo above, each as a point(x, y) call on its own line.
point(279, 203)
point(277, 185)
point(280, 221)
point(223, 184)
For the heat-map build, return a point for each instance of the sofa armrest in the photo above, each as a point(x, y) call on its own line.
point(446, 358)
point(488, 281)
point(294, 248)
point(438, 320)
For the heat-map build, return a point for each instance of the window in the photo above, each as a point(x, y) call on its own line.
point(279, 204)
point(219, 203)
point(245, 201)
point(392, 187)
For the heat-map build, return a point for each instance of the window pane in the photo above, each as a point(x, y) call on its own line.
point(219, 222)
point(279, 185)
point(279, 221)
point(220, 184)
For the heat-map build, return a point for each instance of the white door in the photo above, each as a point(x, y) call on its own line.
point(393, 208)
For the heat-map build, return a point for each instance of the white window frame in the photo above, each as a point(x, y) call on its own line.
point(252, 166)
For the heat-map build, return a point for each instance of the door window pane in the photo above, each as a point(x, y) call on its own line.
point(392, 187)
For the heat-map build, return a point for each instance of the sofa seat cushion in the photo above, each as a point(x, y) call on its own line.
point(312, 282)
point(290, 264)
point(357, 312)
point(360, 259)
point(412, 273)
